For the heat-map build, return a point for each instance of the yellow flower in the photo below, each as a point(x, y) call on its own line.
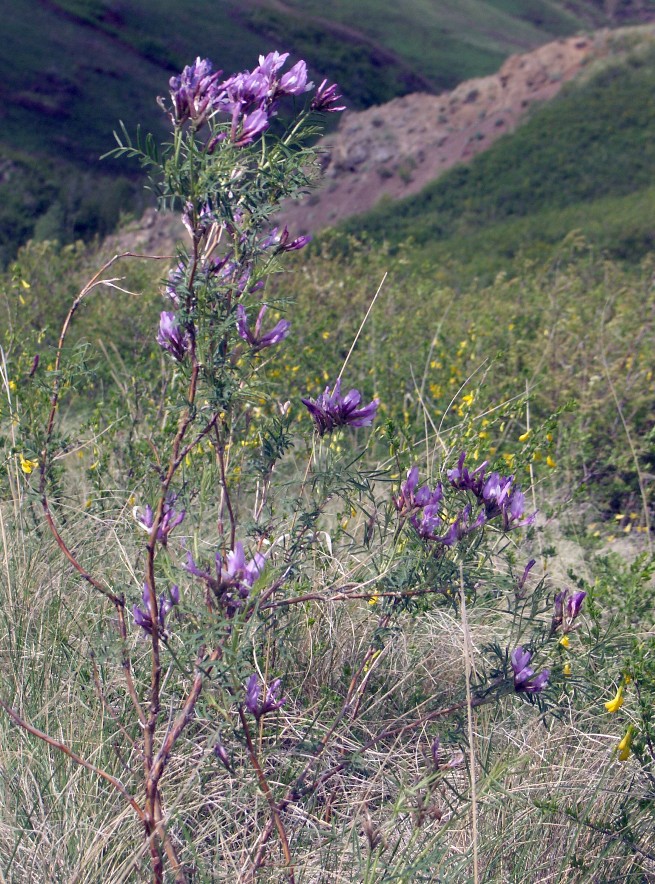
point(551, 462)
point(374, 599)
point(625, 746)
point(565, 641)
point(567, 670)
point(615, 704)
point(13, 386)
point(525, 436)
point(27, 466)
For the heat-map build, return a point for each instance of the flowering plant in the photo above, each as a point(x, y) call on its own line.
point(215, 695)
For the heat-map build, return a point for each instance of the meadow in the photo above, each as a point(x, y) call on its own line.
point(352, 701)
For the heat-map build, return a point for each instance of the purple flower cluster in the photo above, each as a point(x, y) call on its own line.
point(169, 520)
point(166, 603)
point(254, 337)
point(249, 98)
point(524, 677)
point(260, 700)
point(331, 410)
point(234, 577)
point(193, 92)
point(422, 507)
point(566, 608)
point(497, 494)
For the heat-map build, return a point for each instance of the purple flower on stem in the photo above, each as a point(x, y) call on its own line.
point(281, 241)
point(234, 577)
point(254, 337)
point(194, 91)
point(171, 337)
point(461, 478)
point(566, 608)
point(524, 677)
point(170, 518)
point(330, 410)
point(495, 492)
point(524, 577)
point(325, 99)
point(252, 125)
point(166, 604)
point(221, 753)
point(410, 498)
point(294, 82)
point(259, 702)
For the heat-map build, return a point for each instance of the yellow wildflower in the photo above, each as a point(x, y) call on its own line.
point(567, 670)
point(615, 704)
point(565, 641)
point(374, 599)
point(625, 746)
point(550, 462)
point(27, 466)
point(525, 436)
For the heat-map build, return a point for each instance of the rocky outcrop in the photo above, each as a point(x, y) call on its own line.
point(395, 149)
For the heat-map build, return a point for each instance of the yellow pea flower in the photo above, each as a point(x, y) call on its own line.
point(374, 599)
point(615, 704)
point(525, 436)
point(27, 466)
point(567, 670)
point(624, 748)
point(550, 462)
point(565, 641)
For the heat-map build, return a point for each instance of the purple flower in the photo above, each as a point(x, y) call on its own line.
point(166, 603)
point(330, 410)
point(259, 702)
point(281, 241)
point(427, 522)
point(460, 527)
point(573, 605)
point(566, 608)
point(325, 99)
point(234, 577)
point(252, 125)
point(524, 677)
point(171, 337)
point(169, 520)
point(254, 337)
point(221, 753)
point(460, 477)
point(495, 492)
point(410, 498)
point(526, 572)
point(194, 91)
point(294, 82)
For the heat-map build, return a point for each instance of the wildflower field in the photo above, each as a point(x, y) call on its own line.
point(321, 562)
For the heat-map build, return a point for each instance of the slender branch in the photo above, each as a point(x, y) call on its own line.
point(62, 747)
point(220, 452)
point(266, 789)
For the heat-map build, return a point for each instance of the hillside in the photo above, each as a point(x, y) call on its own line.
point(585, 161)
point(70, 69)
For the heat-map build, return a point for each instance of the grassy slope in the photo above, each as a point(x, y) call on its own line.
point(585, 161)
point(70, 69)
